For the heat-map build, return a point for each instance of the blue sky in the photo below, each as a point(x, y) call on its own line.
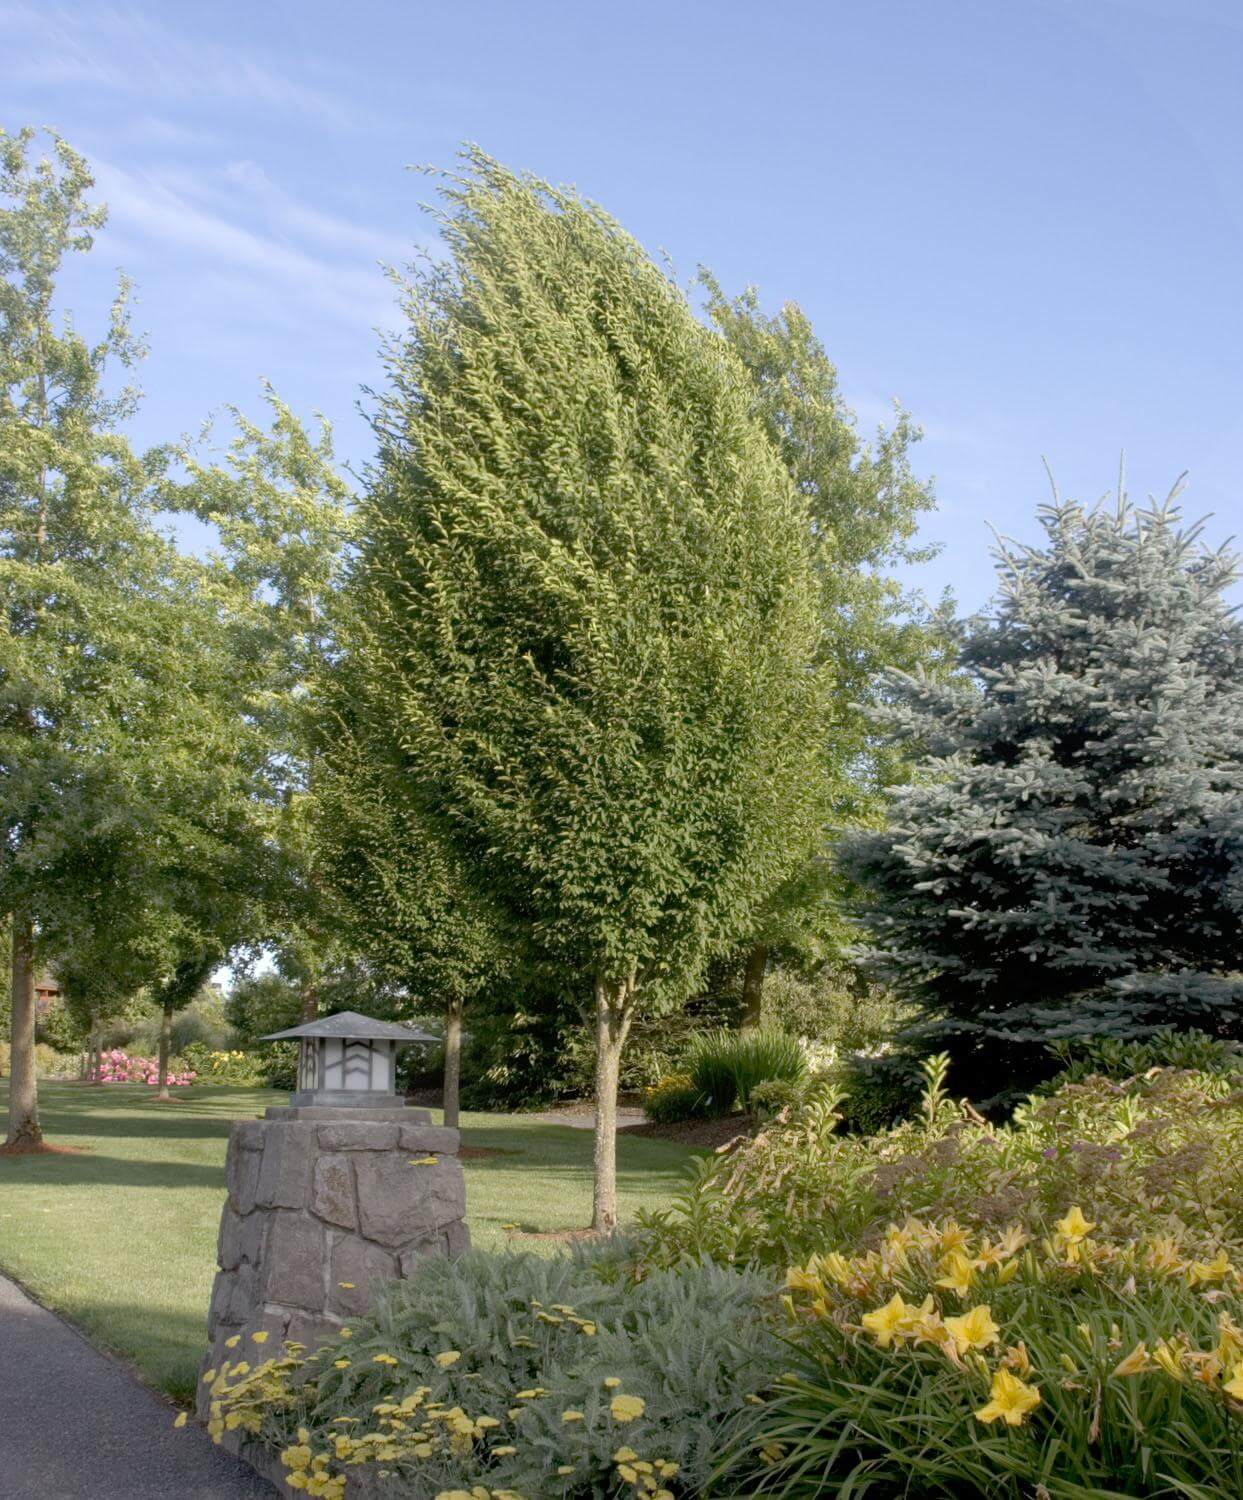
point(1022, 219)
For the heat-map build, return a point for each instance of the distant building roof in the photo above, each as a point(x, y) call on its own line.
point(348, 1023)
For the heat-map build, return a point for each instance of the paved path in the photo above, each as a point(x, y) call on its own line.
point(583, 1117)
point(76, 1425)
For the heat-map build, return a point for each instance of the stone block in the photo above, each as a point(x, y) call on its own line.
point(250, 1237)
point(293, 1269)
point(456, 1238)
point(435, 1138)
point(248, 1134)
point(228, 1242)
point(243, 1285)
point(393, 1209)
point(310, 1331)
point(357, 1269)
point(285, 1174)
point(242, 1179)
point(332, 1190)
point(357, 1135)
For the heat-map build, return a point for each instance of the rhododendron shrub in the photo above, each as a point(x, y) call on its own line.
point(119, 1067)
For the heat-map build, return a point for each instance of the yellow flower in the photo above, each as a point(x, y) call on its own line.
point(571, 1416)
point(1011, 1400)
point(565, 1469)
point(958, 1273)
point(627, 1408)
point(624, 1455)
point(974, 1330)
point(1169, 1358)
point(259, 1338)
point(233, 1342)
point(181, 1420)
point(383, 1359)
point(1074, 1227)
point(612, 1382)
point(347, 1286)
point(952, 1237)
point(1017, 1358)
point(836, 1267)
point(423, 1161)
point(1234, 1386)
point(448, 1357)
point(455, 1495)
point(1135, 1363)
point(504, 1450)
point(884, 1323)
point(1206, 1271)
point(340, 1364)
point(799, 1279)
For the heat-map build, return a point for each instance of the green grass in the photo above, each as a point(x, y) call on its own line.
point(121, 1236)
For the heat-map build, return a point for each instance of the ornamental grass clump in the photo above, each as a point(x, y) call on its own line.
point(515, 1376)
point(725, 1066)
point(946, 1362)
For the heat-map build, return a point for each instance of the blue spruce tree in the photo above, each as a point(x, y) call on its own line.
point(1068, 860)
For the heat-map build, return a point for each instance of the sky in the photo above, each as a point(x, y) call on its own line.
point(1022, 220)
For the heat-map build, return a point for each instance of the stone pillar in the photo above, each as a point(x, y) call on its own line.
point(323, 1204)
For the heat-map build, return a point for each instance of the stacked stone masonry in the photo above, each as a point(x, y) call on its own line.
point(323, 1205)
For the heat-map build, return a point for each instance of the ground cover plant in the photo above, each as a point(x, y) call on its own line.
point(118, 1231)
point(519, 1376)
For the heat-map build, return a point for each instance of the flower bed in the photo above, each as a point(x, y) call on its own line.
point(119, 1067)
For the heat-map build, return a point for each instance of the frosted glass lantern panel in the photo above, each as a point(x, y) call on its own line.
point(357, 1065)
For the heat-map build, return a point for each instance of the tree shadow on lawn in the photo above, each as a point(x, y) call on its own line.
point(87, 1169)
point(95, 1110)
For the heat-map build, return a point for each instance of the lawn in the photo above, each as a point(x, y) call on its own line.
point(120, 1236)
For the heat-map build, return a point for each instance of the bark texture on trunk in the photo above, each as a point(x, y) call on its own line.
point(453, 1062)
point(753, 985)
point(23, 1089)
point(166, 1038)
point(309, 1009)
point(94, 1060)
point(614, 1001)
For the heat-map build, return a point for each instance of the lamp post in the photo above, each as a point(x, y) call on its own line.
point(329, 1195)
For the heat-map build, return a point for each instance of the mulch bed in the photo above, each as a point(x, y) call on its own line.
point(706, 1134)
point(39, 1148)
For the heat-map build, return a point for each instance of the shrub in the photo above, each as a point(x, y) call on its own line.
point(726, 1065)
point(770, 1098)
point(1142, 1154)
point(951, 1364)
point(526, 1376)
point(235, 1067)
point(1167, 1048)
point(116, 1066)
point(51, 1063)
point(676, 1097)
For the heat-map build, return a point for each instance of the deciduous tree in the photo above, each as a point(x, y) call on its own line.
point(592, 611)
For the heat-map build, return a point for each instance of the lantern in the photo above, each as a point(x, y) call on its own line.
point(348, 1060)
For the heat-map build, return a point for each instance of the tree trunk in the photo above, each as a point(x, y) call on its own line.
point(166, 1037)
point(309, 1006)
point(453, 1062)
point(753, 985)
point(23, 1088)
point(95, 1056)
point(613, 1010)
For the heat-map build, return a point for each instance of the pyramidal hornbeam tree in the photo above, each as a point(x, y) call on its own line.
point(587, 579)
point(1069, 858)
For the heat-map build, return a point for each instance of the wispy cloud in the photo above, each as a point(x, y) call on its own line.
point(117, 49)
point(302, 257)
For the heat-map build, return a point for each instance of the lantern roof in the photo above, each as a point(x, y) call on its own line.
point(349, 1024)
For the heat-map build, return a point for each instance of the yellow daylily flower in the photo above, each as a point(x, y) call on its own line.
point(1169, 1358)
point(959, 1273)
point(1234, 1386)
point(1010, 1400)
point(1074, 1227)
point(1207, 1271)
point(975, 1329)
point(801, 1279)
point(885, 1323)
point(1136, 1363)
